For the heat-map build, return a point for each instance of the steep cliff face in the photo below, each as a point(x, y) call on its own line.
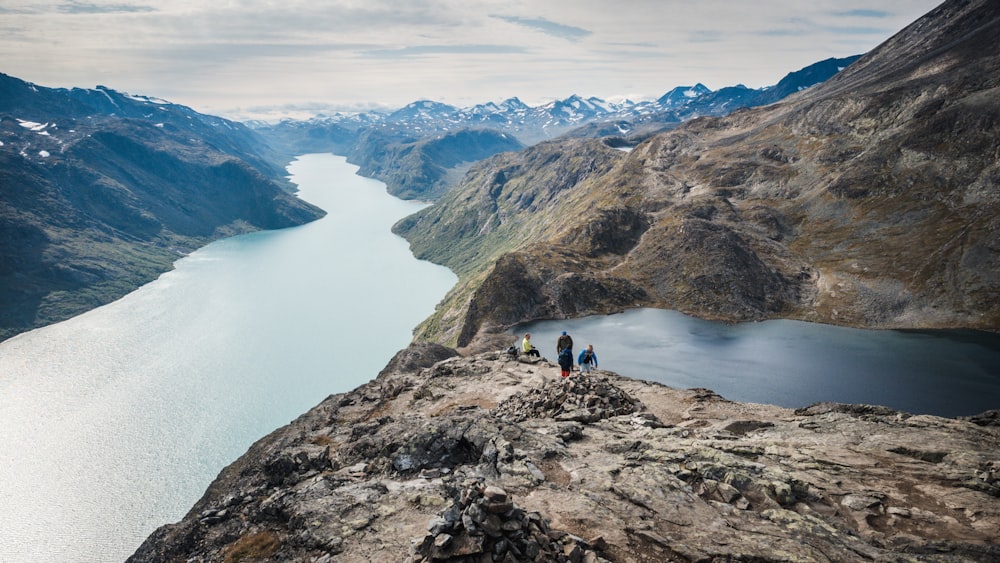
point(869, 200)
point(101, 192)
point(486, 458)
point(424, 167)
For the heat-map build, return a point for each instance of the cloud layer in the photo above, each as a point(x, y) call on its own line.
point(234, 58)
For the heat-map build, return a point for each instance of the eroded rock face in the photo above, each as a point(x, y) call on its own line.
point(484, 458)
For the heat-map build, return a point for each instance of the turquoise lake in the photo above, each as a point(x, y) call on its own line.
point(114, 422)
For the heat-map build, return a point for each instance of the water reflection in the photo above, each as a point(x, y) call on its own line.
point(791, 363)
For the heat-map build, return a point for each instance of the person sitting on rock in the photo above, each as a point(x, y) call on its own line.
point(587, 359)
point(528, 348)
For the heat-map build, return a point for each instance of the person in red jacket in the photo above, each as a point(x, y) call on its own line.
point(565, 360)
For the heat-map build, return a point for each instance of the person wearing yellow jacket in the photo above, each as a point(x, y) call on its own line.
point(528, 348)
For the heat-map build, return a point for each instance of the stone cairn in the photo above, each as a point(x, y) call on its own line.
point(483, 525)
point(584, 399)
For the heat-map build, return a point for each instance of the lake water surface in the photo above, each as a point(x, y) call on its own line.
point(115, 422)
point(792, 363)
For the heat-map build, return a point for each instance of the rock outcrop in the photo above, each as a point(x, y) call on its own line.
point(486, 458)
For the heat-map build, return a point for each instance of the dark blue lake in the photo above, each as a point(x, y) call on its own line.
point(791, 363)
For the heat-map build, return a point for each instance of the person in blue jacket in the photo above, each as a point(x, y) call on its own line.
point(587, 359)
point(565, 360)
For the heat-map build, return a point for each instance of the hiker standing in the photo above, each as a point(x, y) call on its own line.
point(587, 359)
point(564, 351)
point(528, 348)
point(564, 341)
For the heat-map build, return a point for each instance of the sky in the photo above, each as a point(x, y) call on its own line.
point(264, 59)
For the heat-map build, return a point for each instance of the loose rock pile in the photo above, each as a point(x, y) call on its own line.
point(582, 398)
point(484, 525)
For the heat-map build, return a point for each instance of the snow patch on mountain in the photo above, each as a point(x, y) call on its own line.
point(32, 125)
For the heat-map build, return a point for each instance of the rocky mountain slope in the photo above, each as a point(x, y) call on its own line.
point(869, 200)
point(425, 167)
point(486, 458)
point(100, 192)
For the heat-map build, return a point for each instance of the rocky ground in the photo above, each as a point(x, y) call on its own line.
point(487, 458)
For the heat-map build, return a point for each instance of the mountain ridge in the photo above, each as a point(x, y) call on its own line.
point(100, 192)
point(399, 147)
point(552, 119)
point(821, 207)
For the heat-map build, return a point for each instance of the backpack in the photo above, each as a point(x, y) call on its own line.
point(566, 356)
point(587, 356)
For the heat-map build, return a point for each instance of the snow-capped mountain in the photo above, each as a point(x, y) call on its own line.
point(430, 140)
point(533, 124)
point(682, 95)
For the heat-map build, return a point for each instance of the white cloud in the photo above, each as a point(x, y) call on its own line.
point(220, 56)
point(548, 27)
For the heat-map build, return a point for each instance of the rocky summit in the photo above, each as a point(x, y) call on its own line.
point(494, 458)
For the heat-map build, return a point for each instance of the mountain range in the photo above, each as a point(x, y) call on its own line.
point(869, 200)
point(822, 205)
point(102, 190)
point(530, 125)
point(414, 149)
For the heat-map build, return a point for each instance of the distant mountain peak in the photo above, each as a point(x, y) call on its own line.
point(553, 118)
point(683, 94)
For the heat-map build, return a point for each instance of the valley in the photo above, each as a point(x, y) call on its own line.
point(860, 192)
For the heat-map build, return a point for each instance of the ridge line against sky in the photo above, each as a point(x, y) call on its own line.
point(247, 59)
